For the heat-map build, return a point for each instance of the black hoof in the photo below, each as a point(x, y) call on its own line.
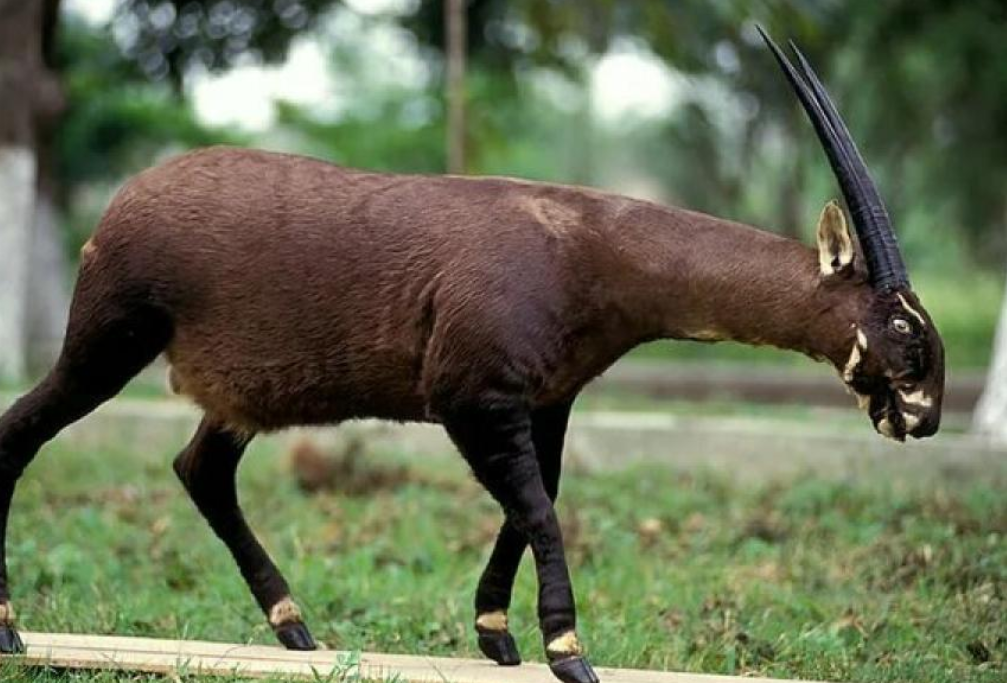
point(573, 670)
point(295, 636)
point(10, 641)
point(500, 647)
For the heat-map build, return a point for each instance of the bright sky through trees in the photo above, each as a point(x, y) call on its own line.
point(627, 83)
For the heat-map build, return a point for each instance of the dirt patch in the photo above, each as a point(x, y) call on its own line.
point(345, 470)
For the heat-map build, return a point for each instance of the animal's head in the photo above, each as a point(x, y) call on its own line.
point(895, 365)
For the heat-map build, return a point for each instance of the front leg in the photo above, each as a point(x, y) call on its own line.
point(497, 443)
point(493, 596)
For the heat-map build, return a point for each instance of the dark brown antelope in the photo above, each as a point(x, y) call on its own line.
point(287, 291)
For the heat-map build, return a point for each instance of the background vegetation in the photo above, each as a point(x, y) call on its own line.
point(923, 84)
point(851, 580)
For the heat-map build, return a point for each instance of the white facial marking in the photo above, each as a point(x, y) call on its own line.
point(284, 612)
point(856, 357)
point(173, 381)
point(863, 400)
point(851, 364)
point(912, 421)
point(492, 621)
point(916, 398)
point(886, 429)
point(912, 310)
point(566, 644)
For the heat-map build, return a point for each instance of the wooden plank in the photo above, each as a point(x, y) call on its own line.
point(68, 651)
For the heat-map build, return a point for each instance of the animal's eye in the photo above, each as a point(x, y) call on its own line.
point(901, 325)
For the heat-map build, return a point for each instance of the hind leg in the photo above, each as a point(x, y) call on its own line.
point(98, 359)
point(207, 468)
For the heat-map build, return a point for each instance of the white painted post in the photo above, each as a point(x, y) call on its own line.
point(990, 416)
point(18, 170)
point(48, 296)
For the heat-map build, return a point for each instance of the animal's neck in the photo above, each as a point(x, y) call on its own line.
point(692, 276)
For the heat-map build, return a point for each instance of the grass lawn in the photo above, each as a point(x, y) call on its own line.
point(851, 581)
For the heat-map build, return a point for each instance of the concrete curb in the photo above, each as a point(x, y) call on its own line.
point(810, 385)
point(749, 449)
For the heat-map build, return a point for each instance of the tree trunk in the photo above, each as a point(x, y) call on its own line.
point(49, 301)
point(991, 412)
point(31, 100)
point(455, 17)
point(792, 210)
point(17, 195)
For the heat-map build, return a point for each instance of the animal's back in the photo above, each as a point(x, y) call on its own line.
point(304, 292)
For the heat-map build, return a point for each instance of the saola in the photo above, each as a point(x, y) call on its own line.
point(287, 291)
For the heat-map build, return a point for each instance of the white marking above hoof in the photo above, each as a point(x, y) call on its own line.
point(284, 612)
point(886, 429)
point(565, 645)
point(492, 621)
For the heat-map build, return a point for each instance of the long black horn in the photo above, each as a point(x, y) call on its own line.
point(870, 217)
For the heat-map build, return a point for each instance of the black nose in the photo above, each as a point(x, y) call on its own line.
point(928, 427)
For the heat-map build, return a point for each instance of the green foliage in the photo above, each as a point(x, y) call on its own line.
point(116, 122)
point(851, 580)
point(937, 94)
point(166, 39)
point(398, 131)
point(923, 85)
point(116, 118)
point(920, 82)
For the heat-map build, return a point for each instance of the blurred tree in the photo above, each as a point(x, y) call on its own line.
point(52, 68)
point(948, 116)
point(920, 82)
point(168, 39)
point(116, 121)
point(31, 292)
point(715, 42)
point(456, 67)
point(937, 92)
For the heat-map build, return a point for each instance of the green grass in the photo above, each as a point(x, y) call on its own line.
point(847, 581)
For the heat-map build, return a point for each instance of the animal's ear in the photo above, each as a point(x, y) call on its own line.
point(838, 252)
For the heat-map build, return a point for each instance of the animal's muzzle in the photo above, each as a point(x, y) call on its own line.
point(895, 417)
point(928, 426)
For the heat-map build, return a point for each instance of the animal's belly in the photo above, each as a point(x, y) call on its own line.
point(283, 390)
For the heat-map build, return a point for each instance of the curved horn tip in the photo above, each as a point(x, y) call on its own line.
point(866, 206)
